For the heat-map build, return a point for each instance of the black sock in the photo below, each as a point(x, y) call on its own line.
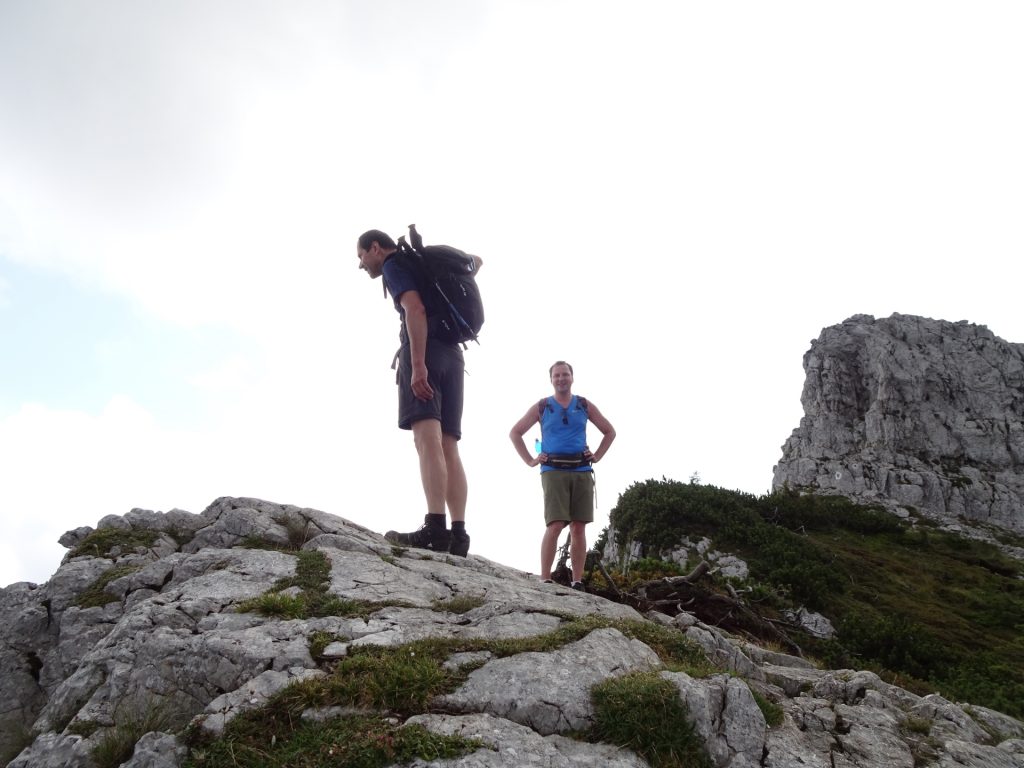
point(459, 525)
point(436, 521)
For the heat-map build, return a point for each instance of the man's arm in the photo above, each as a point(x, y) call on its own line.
point(607, 430)
point(521, 427)
point(416, 327)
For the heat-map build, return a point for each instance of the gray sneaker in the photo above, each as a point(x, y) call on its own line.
point(432, 537)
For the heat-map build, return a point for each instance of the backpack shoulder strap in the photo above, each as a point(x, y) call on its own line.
point(408, 258)
point(541, 405)
point(584, 404)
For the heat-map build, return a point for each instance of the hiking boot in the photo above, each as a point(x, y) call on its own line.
point(459, 545)
point(433, 537)
point(578, 586)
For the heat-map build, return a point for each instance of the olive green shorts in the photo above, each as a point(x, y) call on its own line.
point(568, 496)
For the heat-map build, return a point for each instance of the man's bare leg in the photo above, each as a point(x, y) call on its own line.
point(456, 488)
point(426, 435)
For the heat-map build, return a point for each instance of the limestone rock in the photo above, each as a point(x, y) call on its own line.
point(725, 716)
point(157, 750)
point(550, 692)
point(914, 414)
point(510, 745)
point(172, 639)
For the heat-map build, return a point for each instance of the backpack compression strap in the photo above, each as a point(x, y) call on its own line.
point(543, 403)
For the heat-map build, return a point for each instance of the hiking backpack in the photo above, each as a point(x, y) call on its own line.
point(455, 311)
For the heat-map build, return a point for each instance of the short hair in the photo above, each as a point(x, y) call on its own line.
point(368, 238)
point(551, 370)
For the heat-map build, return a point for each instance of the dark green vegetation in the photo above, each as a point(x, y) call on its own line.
point(927, 610)
point(383, 682)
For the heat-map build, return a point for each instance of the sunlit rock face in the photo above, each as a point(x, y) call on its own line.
point(915, 414)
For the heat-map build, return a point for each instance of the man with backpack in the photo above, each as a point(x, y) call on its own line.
point(431, 371)
point(567, 474)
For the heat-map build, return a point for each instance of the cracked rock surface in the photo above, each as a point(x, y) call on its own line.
point(909, 412)
point(171, 635)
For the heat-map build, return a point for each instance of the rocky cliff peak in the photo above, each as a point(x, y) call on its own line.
point(914, 414)
point(162, 632)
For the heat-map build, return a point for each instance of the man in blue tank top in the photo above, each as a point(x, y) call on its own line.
point(566, 466)
point(430, 387)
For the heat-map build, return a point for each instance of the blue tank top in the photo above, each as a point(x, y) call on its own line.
point(564, 430)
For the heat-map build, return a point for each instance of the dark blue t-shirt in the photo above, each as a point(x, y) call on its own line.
point(399, 278)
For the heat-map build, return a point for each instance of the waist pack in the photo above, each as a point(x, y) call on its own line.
point(567, 460)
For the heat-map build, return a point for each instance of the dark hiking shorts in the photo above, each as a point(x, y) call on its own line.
point(446, 370)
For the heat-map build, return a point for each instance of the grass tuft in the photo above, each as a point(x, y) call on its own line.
point(131, 722)
point(773, 713)
point(459, 604)
point(108, 542)
point(95, 595)
point(385, 682)
point(643, 712)
point(920, 725)
point(83, 728)
point(354, 742)
point(310, 598)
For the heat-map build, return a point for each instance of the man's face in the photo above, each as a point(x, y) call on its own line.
point(371, 259)
point(561, 378)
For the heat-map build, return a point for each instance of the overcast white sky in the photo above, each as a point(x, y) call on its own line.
point(676, 197)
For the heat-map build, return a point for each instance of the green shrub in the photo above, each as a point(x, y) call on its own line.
point(653, 568)
point(987, 678)
point(662, 514)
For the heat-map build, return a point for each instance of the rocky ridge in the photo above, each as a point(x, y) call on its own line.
point(917, 415)
point(172, 636)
